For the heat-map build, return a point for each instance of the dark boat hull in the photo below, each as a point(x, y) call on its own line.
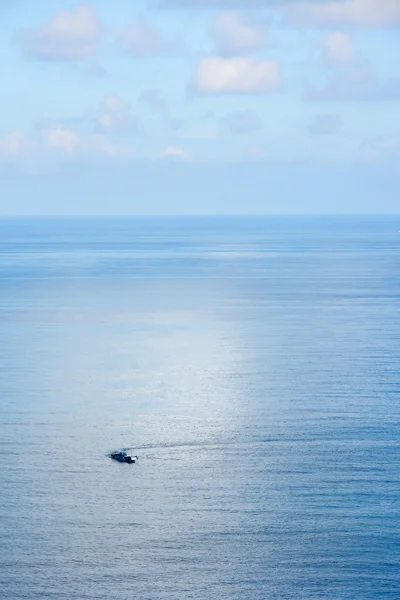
point(123, 458)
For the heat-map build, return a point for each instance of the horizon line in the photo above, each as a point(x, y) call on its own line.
point(188, 215)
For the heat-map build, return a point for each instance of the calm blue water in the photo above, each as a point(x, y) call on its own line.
point(253, 364)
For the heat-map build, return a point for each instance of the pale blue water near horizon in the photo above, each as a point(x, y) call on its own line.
point(252, 363)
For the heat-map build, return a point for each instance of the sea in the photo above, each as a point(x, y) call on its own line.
point(252, 364)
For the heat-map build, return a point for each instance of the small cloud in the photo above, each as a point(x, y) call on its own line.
point(56, 144)
point(359, 13)
point(114, 116)
point(68, 36)
point(325, 125)
point(350, 77)
point(352, 83)
point(61, 138)
point(338, 48)
point(383, 143)
point(355, 83)
point(153, 100)
point(144, 40)
point(18, 150)
point(245, 121)
point(215, 75)
point(11, 144)
point(382, 147)
point(233, 35)
point(174, 153)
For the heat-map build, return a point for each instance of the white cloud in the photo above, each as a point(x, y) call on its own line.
point(61, 138)
point(99, 145)
point(68, 36)
point(174, 153)
point(350, 75)
point(60, 141)
point(143, 40)
point(112, 102)
point(215, 75)
point(233, 35)
point(11, 144)
point(55, 145)
point(114, 116)
point(338, 48)
point(362, 13)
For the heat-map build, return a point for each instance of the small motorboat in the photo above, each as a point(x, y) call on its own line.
point(123, 457)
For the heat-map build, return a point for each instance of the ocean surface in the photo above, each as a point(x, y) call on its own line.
point(251, 363)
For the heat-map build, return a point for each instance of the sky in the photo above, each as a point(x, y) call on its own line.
point(199, 107)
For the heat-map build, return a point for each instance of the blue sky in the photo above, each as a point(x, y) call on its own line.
point(200, 106)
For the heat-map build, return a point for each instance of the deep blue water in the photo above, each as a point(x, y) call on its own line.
point(252, 363)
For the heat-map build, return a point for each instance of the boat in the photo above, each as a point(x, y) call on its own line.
point(123, 457)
